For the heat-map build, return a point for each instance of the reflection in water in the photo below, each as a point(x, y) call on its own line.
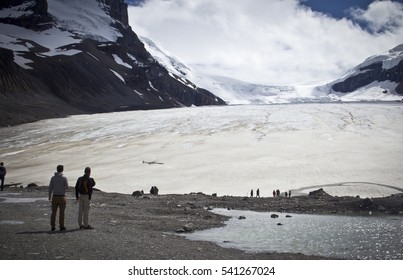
point(347, 237)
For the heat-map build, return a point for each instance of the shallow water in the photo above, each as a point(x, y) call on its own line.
point(347, 237)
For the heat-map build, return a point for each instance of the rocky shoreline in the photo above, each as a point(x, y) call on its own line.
point(145, 227)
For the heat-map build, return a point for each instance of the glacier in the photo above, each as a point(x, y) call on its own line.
point(346, 148)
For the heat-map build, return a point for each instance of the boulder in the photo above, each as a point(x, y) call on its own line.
point(189, 227)
point(319, 193)
point(138, 193)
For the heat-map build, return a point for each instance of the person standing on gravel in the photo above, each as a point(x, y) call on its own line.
point(84, 187)
point(57, 195)
point(3, 172)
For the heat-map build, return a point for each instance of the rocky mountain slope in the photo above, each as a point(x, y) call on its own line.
point(68, 57)
point(379, 77)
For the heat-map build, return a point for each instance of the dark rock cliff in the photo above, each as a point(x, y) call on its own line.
point(91, 80)
point(118, 10)
point(372, 73)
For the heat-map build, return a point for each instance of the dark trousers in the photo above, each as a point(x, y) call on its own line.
point(2, 182)
point(58, 202)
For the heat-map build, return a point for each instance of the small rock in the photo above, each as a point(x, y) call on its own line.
point(191, 205)
point(279, 224)
point(189, 227)
point(274, 216)
point(288, 216)
point(241, 218)
point(210, 208)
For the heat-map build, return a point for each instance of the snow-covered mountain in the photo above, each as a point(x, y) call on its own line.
point(230, 90)
point(378, 86)
point(379, 77)
point(80, 56)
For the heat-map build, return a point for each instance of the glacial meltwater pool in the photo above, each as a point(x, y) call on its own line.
point(372, 237)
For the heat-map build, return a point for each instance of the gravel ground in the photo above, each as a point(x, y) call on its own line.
point(142, 228)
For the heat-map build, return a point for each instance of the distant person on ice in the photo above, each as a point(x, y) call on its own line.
point(251, 193)
point(84, 187)
point(257, 193)
point(57, 195)
point(3, 172)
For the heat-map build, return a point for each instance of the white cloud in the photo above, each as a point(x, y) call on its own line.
point(264, 41)
point(381, 16)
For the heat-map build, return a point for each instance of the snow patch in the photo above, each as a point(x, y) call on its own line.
point(118, 75)
point(53, 39)
point(18, 11)
point(139, 93)
point(93, 56)
point(84, 18)
point(138, 63)
point(119, 61)
point(22, 61)
point(152, 86)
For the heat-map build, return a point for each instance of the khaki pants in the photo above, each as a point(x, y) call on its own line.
point(83, 210)
point(58, 202)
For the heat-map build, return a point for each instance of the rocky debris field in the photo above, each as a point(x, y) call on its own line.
point(147, 226)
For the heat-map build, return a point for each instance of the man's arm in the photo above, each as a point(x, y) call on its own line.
point(77, 187)
point(50, 188)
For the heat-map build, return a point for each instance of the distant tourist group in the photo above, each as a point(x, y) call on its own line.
point(57, 196)
point(275, 193)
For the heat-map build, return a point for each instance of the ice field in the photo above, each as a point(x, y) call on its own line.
point(347, 148)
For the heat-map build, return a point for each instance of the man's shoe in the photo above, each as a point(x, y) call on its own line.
point(62, 228)
point(81, 227)
point(88, 227)
point(53, 229)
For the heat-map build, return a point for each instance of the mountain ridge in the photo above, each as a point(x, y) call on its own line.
point(80, 57)
point(376, 87)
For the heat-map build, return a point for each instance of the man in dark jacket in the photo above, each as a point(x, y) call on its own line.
point(57, 195)
point(84, 189)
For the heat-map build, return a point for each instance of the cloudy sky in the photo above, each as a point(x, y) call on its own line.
point(277, 42)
